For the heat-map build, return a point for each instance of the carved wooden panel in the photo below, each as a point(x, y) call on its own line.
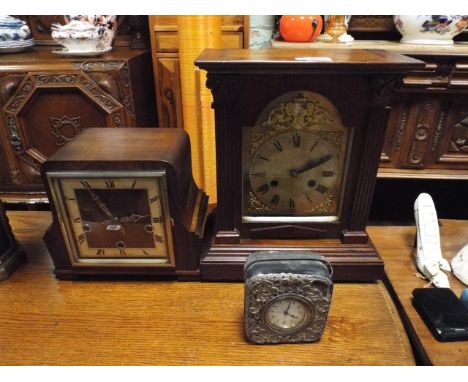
point(396, 128)
point(422, 120)
point(49, 109)
point(427, 134)
point(453, 147)
point(45, 102)
point(371, 23)
point(170, 113)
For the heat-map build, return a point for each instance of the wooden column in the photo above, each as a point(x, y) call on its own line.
point(195, 34)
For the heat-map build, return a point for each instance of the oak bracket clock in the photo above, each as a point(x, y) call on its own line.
point(124, 203)
point(11, 253)
point(298, 139)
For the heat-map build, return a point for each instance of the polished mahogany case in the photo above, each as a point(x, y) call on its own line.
point(298, 139)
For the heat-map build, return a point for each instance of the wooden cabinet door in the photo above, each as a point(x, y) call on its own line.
point(45, 111)
point(451, 147)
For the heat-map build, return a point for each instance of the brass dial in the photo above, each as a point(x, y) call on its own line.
point(294, 173)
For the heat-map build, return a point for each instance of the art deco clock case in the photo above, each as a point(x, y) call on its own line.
point(298, 140)
point(124, 203)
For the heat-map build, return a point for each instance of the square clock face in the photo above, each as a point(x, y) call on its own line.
point(114, 218)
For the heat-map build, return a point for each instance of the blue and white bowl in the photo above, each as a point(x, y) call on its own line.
point(12, 29)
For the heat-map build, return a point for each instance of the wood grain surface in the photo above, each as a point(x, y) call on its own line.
point(44, 321)
point(401, 270)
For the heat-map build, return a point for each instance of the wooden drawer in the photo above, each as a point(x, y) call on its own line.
point(167, 42)
point(169, 23)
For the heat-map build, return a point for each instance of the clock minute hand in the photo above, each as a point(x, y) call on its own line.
point(310, 165)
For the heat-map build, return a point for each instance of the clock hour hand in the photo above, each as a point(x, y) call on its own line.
point(286, 312)
point(310, 165)
point(101, 205)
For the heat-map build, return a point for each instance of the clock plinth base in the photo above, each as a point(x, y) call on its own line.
point(354, 237)
point(350, 262)
point(10, 261)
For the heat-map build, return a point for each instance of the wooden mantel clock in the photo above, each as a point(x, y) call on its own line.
point(124, 203)
point(298, 140)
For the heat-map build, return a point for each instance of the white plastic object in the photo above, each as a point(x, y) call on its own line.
point(460, 265)
point(429, 258)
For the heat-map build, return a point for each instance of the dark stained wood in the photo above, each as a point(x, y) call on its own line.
point(47, 100)
point(137, 149)
point(370, 60)
point(426, 133)
point(361, 84)
point(44, 321)
point(395, 245)
point(11, 253)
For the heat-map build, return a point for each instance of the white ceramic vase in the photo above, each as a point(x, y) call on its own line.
point(430, 29)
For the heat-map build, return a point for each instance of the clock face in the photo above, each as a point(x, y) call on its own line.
point(294, 171)
point(294, 161)
point(286, 313)
point(116, 219)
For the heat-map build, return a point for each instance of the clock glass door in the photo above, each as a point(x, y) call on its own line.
point(294, 159)
point(116, 218)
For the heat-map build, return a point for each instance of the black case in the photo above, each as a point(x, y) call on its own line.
point(443, 313)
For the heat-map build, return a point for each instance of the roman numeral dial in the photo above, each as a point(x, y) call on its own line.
point(296, 173)
point(117, 217)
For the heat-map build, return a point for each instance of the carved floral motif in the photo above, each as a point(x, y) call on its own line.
point(459, 139)
point(59, 124)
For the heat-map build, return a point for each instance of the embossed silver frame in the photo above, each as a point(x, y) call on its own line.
point(263, 289)
point(53, 179)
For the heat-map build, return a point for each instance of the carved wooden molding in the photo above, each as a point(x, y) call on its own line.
point(386, 91)
point(225, 89)
point(459, 138)
point(59, 123)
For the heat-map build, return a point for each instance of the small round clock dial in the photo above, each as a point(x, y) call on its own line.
point(287, 314)
point(294, 172)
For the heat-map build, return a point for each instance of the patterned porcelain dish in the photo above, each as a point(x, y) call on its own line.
point(15, 35)
point(430, 29)
point(85, 34)
point(12, 29)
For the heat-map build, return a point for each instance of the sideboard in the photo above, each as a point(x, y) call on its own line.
point(46, 100)
point(427, 131)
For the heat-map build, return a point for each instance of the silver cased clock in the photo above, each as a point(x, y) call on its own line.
point(287, 296)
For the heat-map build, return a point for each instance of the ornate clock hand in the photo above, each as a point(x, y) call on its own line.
point(286, 312)
point(101, 205)
point(133, 218)
point(310, 165)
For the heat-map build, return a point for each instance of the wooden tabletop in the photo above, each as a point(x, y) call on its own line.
point(251, 60)
point(44, 321)
point(395, 246)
